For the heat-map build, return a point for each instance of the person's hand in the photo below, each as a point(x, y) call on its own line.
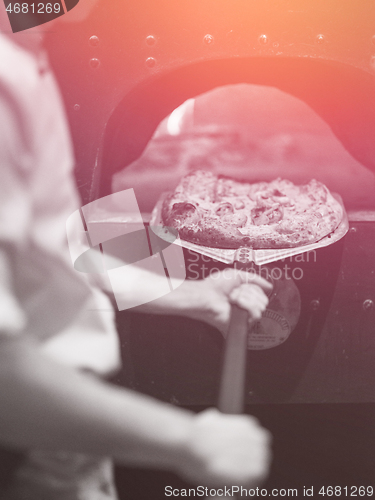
point(209, 299)
point(225, 450)
point(231, 286)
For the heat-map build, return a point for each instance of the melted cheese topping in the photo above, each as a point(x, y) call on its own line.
point(298, 208)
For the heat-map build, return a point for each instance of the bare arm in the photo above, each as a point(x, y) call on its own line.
point(45, 405)
point(208, 299)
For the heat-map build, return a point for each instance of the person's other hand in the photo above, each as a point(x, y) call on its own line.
point(232, 286)
point(225, 450)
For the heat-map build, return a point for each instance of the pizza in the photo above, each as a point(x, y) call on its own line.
point(219, 212)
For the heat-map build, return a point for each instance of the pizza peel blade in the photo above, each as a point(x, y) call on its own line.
point(246, 255)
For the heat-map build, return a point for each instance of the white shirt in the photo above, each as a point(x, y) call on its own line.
point(40, 293)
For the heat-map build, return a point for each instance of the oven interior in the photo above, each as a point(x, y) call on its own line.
point(276, 90)
point(253, 133)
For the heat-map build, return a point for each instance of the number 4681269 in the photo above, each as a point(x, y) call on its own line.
point(347, 491)
point(33, 8)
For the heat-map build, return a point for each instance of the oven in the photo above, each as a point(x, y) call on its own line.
point(123, 75)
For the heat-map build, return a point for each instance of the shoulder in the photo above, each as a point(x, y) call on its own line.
point(18, 80)
point(29, 92)
point(18, 69)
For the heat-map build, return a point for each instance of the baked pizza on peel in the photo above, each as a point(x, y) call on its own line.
point(223, 213)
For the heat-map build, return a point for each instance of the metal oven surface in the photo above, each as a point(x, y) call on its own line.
point(132, 63)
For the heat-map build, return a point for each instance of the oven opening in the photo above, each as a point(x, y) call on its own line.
point(253, 133)
point(248, 132)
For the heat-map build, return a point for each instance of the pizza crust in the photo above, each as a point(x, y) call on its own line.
point(223, 213)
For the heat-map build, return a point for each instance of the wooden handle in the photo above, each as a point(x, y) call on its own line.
point(232, 388)
point(231, 398)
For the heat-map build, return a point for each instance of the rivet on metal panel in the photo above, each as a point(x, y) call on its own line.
point(353, 230)
point(76, 107)
point(150, 40)
point(243, 255)
point(314, 305)
point(94, 41)
point(368, 305)
point(263, 39)
point(150, 62)
point(320, 38)
point(94, 63)
point(208, 39)
point(243, 258)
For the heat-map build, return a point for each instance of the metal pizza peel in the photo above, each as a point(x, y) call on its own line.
point(246, 255)
point(240, 336)
point(279, 321)
point(233, 376)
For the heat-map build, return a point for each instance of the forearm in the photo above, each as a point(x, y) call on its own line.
point(45, 405)
point(188, 299)
point(207, 300)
